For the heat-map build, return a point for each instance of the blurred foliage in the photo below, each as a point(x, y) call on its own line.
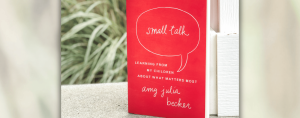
point(93, 41)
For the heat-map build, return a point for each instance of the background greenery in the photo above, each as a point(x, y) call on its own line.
point(93, 41)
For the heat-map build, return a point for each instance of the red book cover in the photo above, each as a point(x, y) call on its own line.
point(167, 57)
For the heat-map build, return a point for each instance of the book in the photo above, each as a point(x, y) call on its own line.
point(167, 58)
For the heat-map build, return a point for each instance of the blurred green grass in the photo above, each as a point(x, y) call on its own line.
point(93, 41)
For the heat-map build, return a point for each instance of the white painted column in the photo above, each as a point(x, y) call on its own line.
point(228, 58)
point(229, 16)
point(228, 74)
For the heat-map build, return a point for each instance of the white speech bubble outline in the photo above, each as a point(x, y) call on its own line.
point(180, 69)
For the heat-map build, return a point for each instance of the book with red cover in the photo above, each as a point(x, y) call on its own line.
point(167, 57)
